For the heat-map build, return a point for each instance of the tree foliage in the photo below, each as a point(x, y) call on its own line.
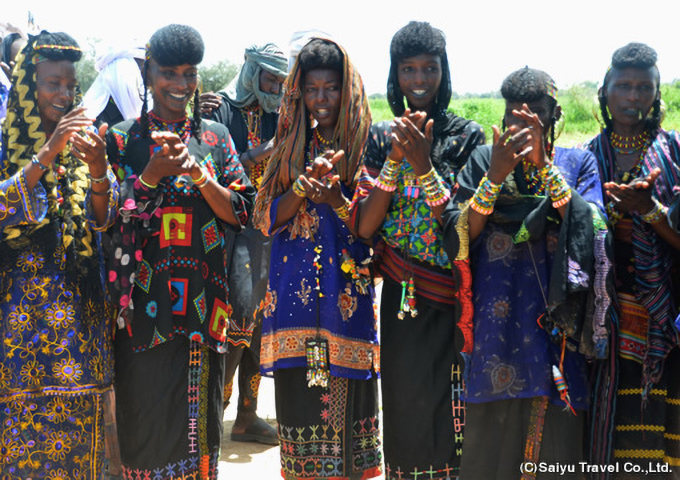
point(217, 76)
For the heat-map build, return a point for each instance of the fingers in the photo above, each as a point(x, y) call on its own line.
point(429, 126)
point(339, 155)
point(496, 133)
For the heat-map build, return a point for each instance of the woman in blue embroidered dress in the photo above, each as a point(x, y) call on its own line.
point(319, 291)
point(536, 234)
point(182, 187)
point(637, 404)
point(57, 194)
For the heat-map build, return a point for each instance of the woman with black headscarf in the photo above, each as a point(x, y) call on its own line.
point(413, 163)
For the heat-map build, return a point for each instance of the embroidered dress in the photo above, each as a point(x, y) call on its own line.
point(168, 274)
point(312, 444)
point(320, 291)
point(528, 259)
point(421, 376)
point(646, 354)
point(56, 351)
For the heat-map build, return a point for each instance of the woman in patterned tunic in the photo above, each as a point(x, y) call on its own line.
point(636, 407)
point(55, 324)
point(421, 374)
point(183, 186)
point(319, 292)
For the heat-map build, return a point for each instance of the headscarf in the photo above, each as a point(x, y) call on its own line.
point(23, 136)
point(119, 78)
point(244, 89)
point(287, 162)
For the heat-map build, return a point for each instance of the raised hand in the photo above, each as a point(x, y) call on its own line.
point(70, 124)
point(91, 149)
point(413, 142)
point(507, 151)
point(322, 166)
point(537, 155)
point(171, 159)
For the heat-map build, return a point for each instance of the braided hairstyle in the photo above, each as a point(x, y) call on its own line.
point(530, 85)
point(642, 57)
point(170, 46)
point(23, 136)
point(415, 39)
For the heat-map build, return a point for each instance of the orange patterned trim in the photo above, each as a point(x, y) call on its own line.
point(343, 352)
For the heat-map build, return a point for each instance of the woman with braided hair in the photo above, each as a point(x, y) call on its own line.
point(636, 404)
point(408, 173)
point(56, 196)
point(183, 187)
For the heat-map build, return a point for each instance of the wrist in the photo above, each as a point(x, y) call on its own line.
point(148, 181)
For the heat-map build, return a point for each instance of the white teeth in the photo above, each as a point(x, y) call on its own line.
point(322, 111)
point(179, 97)
point(419, 92)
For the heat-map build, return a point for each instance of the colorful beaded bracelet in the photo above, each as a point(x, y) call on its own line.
point(656, 214)
point(485, 196)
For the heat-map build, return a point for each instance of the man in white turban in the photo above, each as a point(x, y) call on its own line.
point(115, 94)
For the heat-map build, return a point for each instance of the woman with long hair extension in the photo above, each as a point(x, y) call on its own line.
point(57, 194)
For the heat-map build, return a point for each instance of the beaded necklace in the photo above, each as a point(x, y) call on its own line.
point(532, 176)
point(181, 127)
point(318, 146)
point(634, 172)
point(628, 145)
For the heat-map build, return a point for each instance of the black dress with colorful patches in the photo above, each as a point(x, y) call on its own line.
point(168, 278)
point(56, 349)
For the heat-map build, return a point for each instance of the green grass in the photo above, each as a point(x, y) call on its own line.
point(579, 104)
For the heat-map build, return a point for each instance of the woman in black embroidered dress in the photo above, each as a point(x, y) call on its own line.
point(182, 187)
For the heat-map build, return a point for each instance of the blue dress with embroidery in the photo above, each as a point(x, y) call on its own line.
point(512, 355)
point(293, 310)
point(56, 348)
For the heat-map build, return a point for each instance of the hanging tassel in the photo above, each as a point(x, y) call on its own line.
point(402, 303)
point(412, 297)
point(562, 389)
point(318, 374)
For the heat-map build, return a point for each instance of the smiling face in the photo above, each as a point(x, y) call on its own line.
point(419, 79)
point(630, 95)
point(322, 95)
point(173, 88)
point(56, 89)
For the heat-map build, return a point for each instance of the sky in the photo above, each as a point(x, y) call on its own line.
point(486, 39)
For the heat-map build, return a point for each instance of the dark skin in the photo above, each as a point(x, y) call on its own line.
point(322, 96)
point(525, 137)
point(55, 94)
point(172, 89)
point(269, 83)
point(419, 79)
point(630, 96)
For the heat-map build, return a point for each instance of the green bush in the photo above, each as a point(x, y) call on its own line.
point(579, 104)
